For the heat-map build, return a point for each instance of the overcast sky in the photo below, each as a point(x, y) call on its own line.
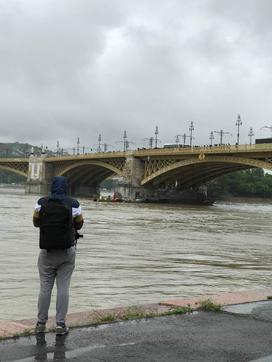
point(80, 68)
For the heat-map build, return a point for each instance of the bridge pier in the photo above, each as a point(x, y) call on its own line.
point(39, 176)
point(131, 188)
point(131, 193)
point(152, 168)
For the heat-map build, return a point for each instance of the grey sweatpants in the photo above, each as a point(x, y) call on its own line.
point(55, 265)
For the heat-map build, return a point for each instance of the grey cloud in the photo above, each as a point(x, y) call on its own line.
point(79, 68)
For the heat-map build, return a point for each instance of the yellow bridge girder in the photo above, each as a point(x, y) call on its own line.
point(164, 167)
point(60, 171)
point(194, 164)
point(15, 165)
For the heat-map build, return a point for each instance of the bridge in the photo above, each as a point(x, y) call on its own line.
point(141, 170)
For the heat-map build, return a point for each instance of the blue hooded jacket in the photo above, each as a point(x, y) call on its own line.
point(59, 191)
point(59, 188)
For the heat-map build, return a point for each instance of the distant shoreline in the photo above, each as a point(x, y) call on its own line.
point(12, 186)
point(241, 199)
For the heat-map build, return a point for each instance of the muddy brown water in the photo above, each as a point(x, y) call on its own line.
point(139, 253)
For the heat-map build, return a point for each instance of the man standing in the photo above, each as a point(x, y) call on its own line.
point(58, 217)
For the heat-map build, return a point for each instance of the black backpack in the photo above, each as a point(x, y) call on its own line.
point(56, 225)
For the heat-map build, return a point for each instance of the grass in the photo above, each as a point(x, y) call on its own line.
point(106, 318)
point(25, 333)
point(130, 313)
point(137, 313)
point(179, 310)
point(208, 306)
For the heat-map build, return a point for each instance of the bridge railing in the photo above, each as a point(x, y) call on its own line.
point(224, 148)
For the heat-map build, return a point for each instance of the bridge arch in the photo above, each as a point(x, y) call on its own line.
point(198, 170)
point(81, 164)
point(85, 176)
point(13, 170)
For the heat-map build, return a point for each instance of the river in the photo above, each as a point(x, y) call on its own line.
point(139, 253)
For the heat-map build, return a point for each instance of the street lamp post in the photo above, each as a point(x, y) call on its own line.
point(184, 136)
point(191, 129)
point(211, 137)
point(99, 143)
point(125, 142)
point(250, 134)
point(177, 139)
point(150, 141)
point(156, 136)
point(127, 145)
point(78, 143)
point(238, 124)
point(221, 133)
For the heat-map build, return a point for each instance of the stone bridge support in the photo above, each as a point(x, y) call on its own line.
point(131, 188)
point(143, 171)
point(39, 176)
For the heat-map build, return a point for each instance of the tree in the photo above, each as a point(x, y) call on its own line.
point(249, 183)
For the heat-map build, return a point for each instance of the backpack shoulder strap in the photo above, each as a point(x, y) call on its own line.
point(44, 202)
point(68, 202)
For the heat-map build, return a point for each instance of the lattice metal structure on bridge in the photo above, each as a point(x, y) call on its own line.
point(17, 165)
point(61, 167)
point(200, 168)
point(151, 166)
point(193, 164)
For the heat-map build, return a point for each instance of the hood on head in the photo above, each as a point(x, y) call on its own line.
point(59, 188)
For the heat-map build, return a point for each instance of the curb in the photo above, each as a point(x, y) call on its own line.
point(17, 328)
point(25, 327)
point(223, 299)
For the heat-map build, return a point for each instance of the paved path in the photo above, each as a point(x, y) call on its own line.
point(11, 328)
point(242, 332)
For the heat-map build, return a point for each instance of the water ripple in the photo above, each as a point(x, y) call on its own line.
point(138, 253)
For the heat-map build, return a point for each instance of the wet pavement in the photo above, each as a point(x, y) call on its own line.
point(240, 332)
point(260, 310)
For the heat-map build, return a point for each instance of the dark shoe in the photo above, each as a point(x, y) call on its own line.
point(40, 328)
point(61, 329)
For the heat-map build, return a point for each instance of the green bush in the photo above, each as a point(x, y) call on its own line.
point(249, 183)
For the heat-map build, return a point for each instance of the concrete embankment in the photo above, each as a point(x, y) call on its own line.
point(9, 329)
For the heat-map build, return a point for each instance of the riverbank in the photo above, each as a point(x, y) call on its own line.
point(17, 328)
point(248, 200)
point(12, 186)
